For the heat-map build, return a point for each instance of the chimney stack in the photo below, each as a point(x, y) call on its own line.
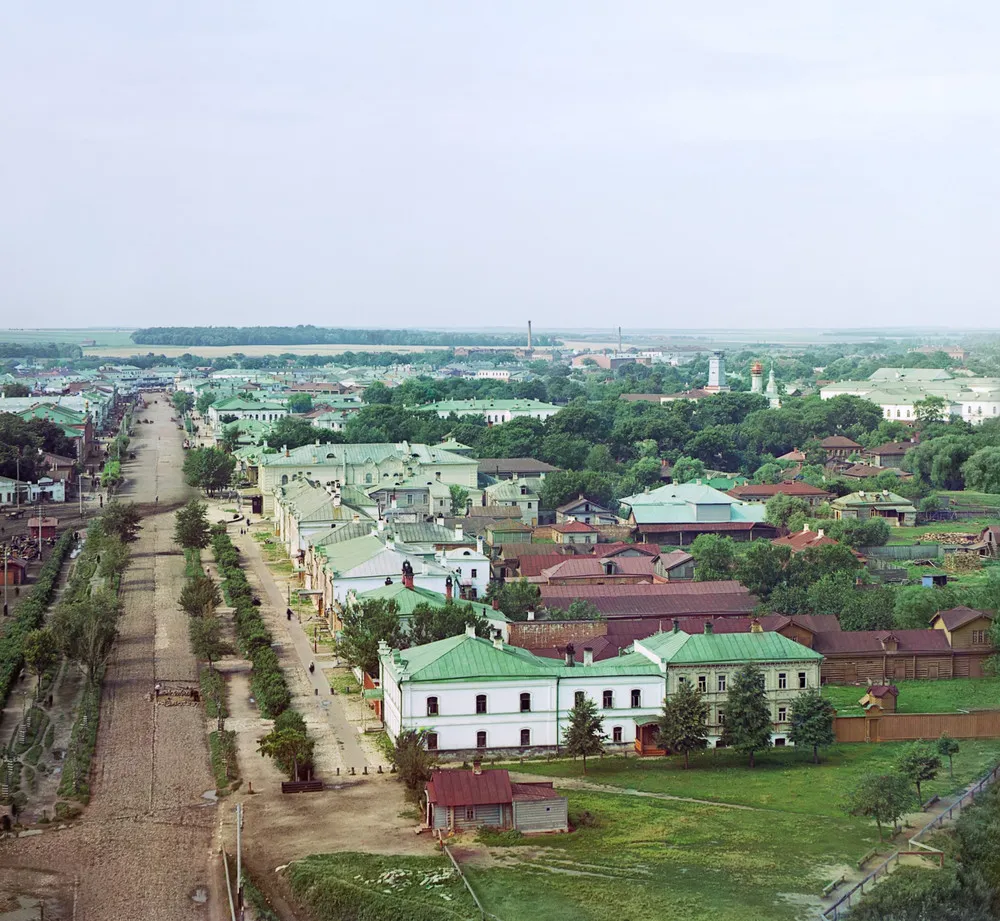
point(470, 629)
point(496, 604)
point(286, 450)
point(588, 655)
point(497, 640)
point(677, 626)
point(820, 532)
point(477, 767)
point(531, 613)
point(447, 589)
point(570, 655)
point(459, 532)
point(479, 545)
point(529, 335)
point(708, 628)
point(407, 575)
point(755, 626)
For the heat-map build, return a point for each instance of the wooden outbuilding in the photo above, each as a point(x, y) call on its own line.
point(881, 697)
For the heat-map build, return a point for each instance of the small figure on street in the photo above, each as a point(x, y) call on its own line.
point(312, 667)
point(156, 501)
point(288, 613)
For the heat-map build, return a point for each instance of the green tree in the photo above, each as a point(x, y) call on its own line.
point(687, 469)
point(206, 638)
point(200, 596)
point(515, 598)
point(121, 520)
point(584, 733)
point(684, 723)
point(930, 409)
point(982, 470)
point(191, 528)
point(882, 797)
point(86, 630)
point(41, 652)
point(300, 403)
point(365, 624)
point(714, 557)
point(229, 441)
point(919, 762)
point(205, 399)
point(115, 557)
point(947, 747)
point(209, 469)
point(429, 622)
point(812, 721)
point(748, 715)
point(767, 474)
point(762, 567)
point(183, 402)
point(413, 762)
point(582, 609)
point(287, 746)
point(780, 508)
point(294, 432)
point(459, 499)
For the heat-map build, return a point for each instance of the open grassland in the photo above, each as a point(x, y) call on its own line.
point(968, 497)
point(112, 338)
point(971, 579)
point(950, 695)
point(638, 858)
point(784, 779)
point(909, 535)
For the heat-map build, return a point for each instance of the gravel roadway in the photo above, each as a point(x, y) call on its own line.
point(145, 847)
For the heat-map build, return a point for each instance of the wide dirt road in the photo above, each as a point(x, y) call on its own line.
point(144, 847)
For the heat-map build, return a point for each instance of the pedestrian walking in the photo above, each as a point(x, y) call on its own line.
point(312, 667)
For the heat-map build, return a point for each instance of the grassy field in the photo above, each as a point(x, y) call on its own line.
point(970, 579)
point(968, 497)
point(973, 527)
point(946, 696)
point(784, 779)
point(112, 338)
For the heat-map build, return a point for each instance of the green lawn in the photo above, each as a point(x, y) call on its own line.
point(784, 779)
point(670, 861)
point(968, 497)
point(944, 696)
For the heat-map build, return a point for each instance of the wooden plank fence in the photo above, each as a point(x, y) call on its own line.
point(896, 552)
point(903, 727)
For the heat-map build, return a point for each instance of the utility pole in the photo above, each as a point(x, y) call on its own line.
point(239, 857)
point(6, 554)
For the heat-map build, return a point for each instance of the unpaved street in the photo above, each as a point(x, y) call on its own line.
point(144, 847)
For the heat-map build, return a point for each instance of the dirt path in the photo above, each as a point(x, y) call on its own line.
point(144, 847)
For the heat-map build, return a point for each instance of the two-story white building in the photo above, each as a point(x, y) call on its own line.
point(471, 694)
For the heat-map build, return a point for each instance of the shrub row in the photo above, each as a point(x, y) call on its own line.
point(75, 779)
point(30, 616)
point(267, 683)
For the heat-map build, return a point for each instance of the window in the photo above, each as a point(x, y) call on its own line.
point(525, 703)
point(481, 739)
point(432, 741)
point(432, 706)
point(978, 637)
point(636, 698)
point(578, 698)
point(529, 505)
point(480, 703)
point(722, 717)
point(616, 734)
point(703, 683)
point(470, 813)
point(474, 573)
point(368, 478)
point(782, 681)
point(779, 743)
point(722, 683)
point(525, 738)
point(802, 679)
point(782, 714)
point(608, 700)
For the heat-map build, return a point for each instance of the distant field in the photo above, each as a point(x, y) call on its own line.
point(113, 338)
point(220, 351)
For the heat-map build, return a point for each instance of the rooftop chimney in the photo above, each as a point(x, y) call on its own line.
point(497, 640)
point(708, 628)
point(820, 532)
point(447, 589)
point(496, 604)
point(479, 545)
point(570, 655)
point(588, 655)
point(531, 613)
point(677, 626)
point(440, 521)
point(755, 626)
point(805, 528)
point(459, 532)
point(477, 767)
point(470, 629)
point(407, 575)
point(285, 449)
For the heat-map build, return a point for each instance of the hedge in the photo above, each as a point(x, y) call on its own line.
point(30, 616)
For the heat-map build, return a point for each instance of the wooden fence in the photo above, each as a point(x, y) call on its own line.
point(902, 727)
point(903, 552)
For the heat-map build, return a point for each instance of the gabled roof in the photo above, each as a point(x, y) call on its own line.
point(462, 657)
point(908, 642)
point(689, 649)
point(893, 447)
point(408, 598)
point(510, 491)
point(467, 788)
point(838, 441)
point(787, 488)
point(573, 527)
point(583, 500)
point(862, 498)
point(522, 466)
point(954, 618)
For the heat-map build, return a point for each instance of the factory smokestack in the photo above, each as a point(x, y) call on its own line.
point(619, 340)
point(529, 335)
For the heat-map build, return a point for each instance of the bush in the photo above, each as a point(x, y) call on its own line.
point(225, 765)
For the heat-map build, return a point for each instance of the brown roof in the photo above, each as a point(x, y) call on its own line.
point(467, 788)
point(539, 789)
point(893, 447)
point(864, 471)
point(706, 527)
point(954, 618)
point(854, 642)
point(787, 488)
point(838, 441)
point(533, 564)
point(803, 540)
point(581, 498)
point(616, 547)
point(794, 455)
point(640, 397)
point(663, 599)
point(883, 690)
point(586, 567)
point(675, 558)
point(573, 527)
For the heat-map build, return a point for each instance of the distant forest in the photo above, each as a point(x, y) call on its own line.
point(320, 335)
point(39, 350)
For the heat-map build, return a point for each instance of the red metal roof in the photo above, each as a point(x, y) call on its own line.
point(849, 642)
point(705, 527)
point(664, 599)
point(573, 527)
point(537, 790)
point(838, 441)
point(581, 567)
point(467, 788)
point(533, 565)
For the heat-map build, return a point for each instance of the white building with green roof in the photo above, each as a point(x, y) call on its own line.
point(471, 694)
point(241, 408)
point(495, 412)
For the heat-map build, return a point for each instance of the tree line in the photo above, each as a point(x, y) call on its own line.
point(319, 335)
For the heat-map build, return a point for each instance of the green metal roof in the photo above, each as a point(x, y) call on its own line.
point(483, 406)
point(725, 648)
point(408, 598)
point(462, 657)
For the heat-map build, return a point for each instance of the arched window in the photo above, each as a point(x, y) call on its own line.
point(608, 699)
point(432, 706)
point(636, 698)
point(368, 479)
point(480, 703)
point(481, 739)
point(525, 702)
point(578, 698)
point(284, 479)
point(525, 738)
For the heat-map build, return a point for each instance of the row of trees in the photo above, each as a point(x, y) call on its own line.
point(22, 442)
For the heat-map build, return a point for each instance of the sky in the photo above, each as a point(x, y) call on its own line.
point(453, 163)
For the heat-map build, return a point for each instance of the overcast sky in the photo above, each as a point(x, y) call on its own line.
point(662, 163)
